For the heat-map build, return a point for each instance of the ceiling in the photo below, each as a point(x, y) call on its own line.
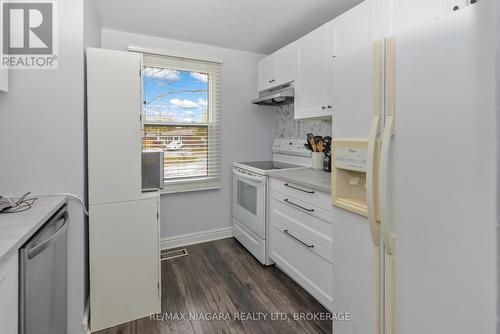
point(260, 26)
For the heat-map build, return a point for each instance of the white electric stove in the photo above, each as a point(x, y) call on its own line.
point(250, 194)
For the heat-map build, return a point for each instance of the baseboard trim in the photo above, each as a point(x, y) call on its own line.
point(196, 238)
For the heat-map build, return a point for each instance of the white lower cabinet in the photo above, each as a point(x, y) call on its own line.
point(124, 261)
point(301, 240)
point(9, 295)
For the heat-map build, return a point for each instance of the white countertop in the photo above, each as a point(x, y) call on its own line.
point(314, 179)
point(17, 228)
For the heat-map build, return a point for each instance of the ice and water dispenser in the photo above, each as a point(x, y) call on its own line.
point(349, 175)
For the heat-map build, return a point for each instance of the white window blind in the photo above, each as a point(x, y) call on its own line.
point(182, 118)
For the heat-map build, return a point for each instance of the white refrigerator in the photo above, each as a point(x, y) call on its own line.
point(423, 257)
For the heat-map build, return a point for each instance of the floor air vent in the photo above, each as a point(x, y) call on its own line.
point(172, 254)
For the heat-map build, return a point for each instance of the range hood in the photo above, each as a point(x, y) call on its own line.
point(276, 96)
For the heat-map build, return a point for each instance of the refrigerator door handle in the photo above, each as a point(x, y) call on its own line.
point(371, 187)
point(385, 207)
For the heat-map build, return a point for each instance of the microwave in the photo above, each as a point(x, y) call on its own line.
point(152, 170)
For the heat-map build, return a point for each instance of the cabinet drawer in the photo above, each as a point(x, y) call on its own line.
point(311, 231)
point(319, 244)
point(311, 196)
point(303, 211)
point(302, 263)
point(250, 240)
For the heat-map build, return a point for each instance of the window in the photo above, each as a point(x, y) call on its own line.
point(181, 118)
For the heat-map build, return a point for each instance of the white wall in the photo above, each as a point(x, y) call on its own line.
point(247, 132)
point(42, 141)
point(92, 25)
point(497, 82)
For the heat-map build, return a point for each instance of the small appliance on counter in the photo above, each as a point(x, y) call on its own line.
point(152, 170)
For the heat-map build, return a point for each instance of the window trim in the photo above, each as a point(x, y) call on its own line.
point(206, 187)
point(174, 54)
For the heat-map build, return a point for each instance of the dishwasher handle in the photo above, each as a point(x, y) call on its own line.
point(34, 251)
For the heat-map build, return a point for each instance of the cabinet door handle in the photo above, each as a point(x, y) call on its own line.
point(298, 206)
point(329, 107)
point(294, 237)
point(296, 188)
point(323, 107)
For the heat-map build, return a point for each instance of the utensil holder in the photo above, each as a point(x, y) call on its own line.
point(317, 160)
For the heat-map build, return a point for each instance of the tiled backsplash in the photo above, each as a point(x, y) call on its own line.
point(287, 127)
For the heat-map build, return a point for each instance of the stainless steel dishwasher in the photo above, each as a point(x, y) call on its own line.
point(43, 279)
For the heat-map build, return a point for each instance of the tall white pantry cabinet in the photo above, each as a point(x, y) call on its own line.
point(124, 244)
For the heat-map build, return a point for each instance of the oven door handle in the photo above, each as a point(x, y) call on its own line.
point(260, 179)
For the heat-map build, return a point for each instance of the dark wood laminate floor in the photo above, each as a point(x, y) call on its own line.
point(222, 277)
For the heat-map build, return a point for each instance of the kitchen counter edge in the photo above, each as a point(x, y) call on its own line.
point(17, 228)
point(306, 177)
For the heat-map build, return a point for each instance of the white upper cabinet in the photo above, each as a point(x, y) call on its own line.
point(267, 72)
point(309, 61)
point(408, 13)
point(114, 125)
point(278, 68)
point(317, 50)
point(350, 31)
point(348, 34)
point(286, 64)
point(311, 87)
point(390, 17)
